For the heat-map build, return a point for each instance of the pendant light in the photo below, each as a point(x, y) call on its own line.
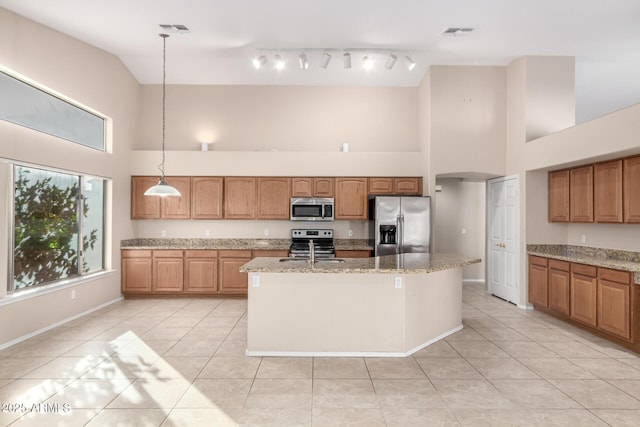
point(162, 188)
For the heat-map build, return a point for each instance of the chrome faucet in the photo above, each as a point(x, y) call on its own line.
point(312, 252)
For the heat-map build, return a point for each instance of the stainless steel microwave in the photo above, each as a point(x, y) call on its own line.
point(311, 209)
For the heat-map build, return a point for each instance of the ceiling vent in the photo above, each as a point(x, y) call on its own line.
point(175, 28)
point(457, 31)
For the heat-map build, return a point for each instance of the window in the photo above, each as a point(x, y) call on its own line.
point(28, 106)
point(58, 226)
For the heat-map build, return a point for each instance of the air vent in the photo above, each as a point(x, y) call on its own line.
point(175, 28)
point(457, 31)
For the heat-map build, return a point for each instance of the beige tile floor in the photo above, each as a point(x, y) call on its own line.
point(181, 363)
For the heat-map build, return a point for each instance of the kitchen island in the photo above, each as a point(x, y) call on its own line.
point(388, 306)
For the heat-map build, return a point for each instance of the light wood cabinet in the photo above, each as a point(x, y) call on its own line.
point(274, 199)
point(206, 197)
point(581, 194)
point(144, 207)
point(408, 186)
point(607, 191)
point(230, 279)
point(558, 196)
point(538, 281)
point(351, 199)
point(240, 198)
point(352, 253)
point(168, 271)
point(137, 271)
point(631, 189)
point(312, 187)
point(200, 271)
point(614, 302)
point(152, 207)
point(559, 286)
point(584, 294)
point(380, 185)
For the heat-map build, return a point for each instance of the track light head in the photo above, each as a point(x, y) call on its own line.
point(279, 62)
point(410, 64)
point(324, 62)
point(302, 61)
point(367, 62)
point(259, 62)
point(346, 59)
point(391, 61)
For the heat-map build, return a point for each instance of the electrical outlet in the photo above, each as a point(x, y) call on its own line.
point(266, 232)
point(398, 282)
point(464, 230)
point(583, 238)
point(163, 233)
point(73, 294)
point(255, 281)
point(207, 233)
point(350, 233)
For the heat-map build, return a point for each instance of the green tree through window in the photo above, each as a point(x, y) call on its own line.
point(47, 222)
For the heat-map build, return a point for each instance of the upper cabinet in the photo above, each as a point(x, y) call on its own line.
point(631, 189)
point(312, 187)
point(607, 191)
point(273, 198)
point(239, 198)
point(206, 197)
point(404, 186)
point(559, 196)
point(351, 198)
point(581, 194)
point(153, 207)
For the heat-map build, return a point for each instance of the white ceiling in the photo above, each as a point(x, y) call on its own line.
point(603, 35)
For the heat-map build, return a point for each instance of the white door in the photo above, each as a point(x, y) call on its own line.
point(503, 238)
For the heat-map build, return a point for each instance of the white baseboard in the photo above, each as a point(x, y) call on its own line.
point(478, 281)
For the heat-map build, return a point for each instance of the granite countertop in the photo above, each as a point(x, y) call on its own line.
point(248, 244)
point(404, 263)
point(599, 257)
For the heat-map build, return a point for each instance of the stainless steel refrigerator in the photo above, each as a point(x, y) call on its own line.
point(399, 224)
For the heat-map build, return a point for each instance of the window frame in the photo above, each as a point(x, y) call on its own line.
point(81, 275)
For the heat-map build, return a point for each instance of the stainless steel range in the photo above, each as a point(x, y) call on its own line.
point(322, 243)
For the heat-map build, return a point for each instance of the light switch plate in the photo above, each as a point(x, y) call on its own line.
point(398, 282)
point(255, 281)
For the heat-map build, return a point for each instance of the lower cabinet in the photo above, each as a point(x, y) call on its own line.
point(201, 271)
point(232, 281)
point(614, 302)
point(168, 271)
point(583, 294)
point(559, 286)
point(599, 298)
point(137, 271)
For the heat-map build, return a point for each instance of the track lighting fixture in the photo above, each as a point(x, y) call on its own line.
point(346, 59)
point(325, 60)
point(410, 64)
point(259, 61)
point(391, 61)
point(279, 62)
point(303, 62)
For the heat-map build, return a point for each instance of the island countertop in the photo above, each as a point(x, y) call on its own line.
point(389, 264)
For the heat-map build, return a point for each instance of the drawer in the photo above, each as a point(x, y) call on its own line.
point(618, 276)
point(559, 265)
point(585, 270)
point(538, 260)
point(234, 254)
point(167, 254)
point(136, 253)
point(201, 253)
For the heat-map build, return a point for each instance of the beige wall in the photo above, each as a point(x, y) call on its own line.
point(460, 221)
point(283, 118)
point(100, 81)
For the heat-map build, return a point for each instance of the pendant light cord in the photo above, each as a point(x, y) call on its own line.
point(164, 96)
